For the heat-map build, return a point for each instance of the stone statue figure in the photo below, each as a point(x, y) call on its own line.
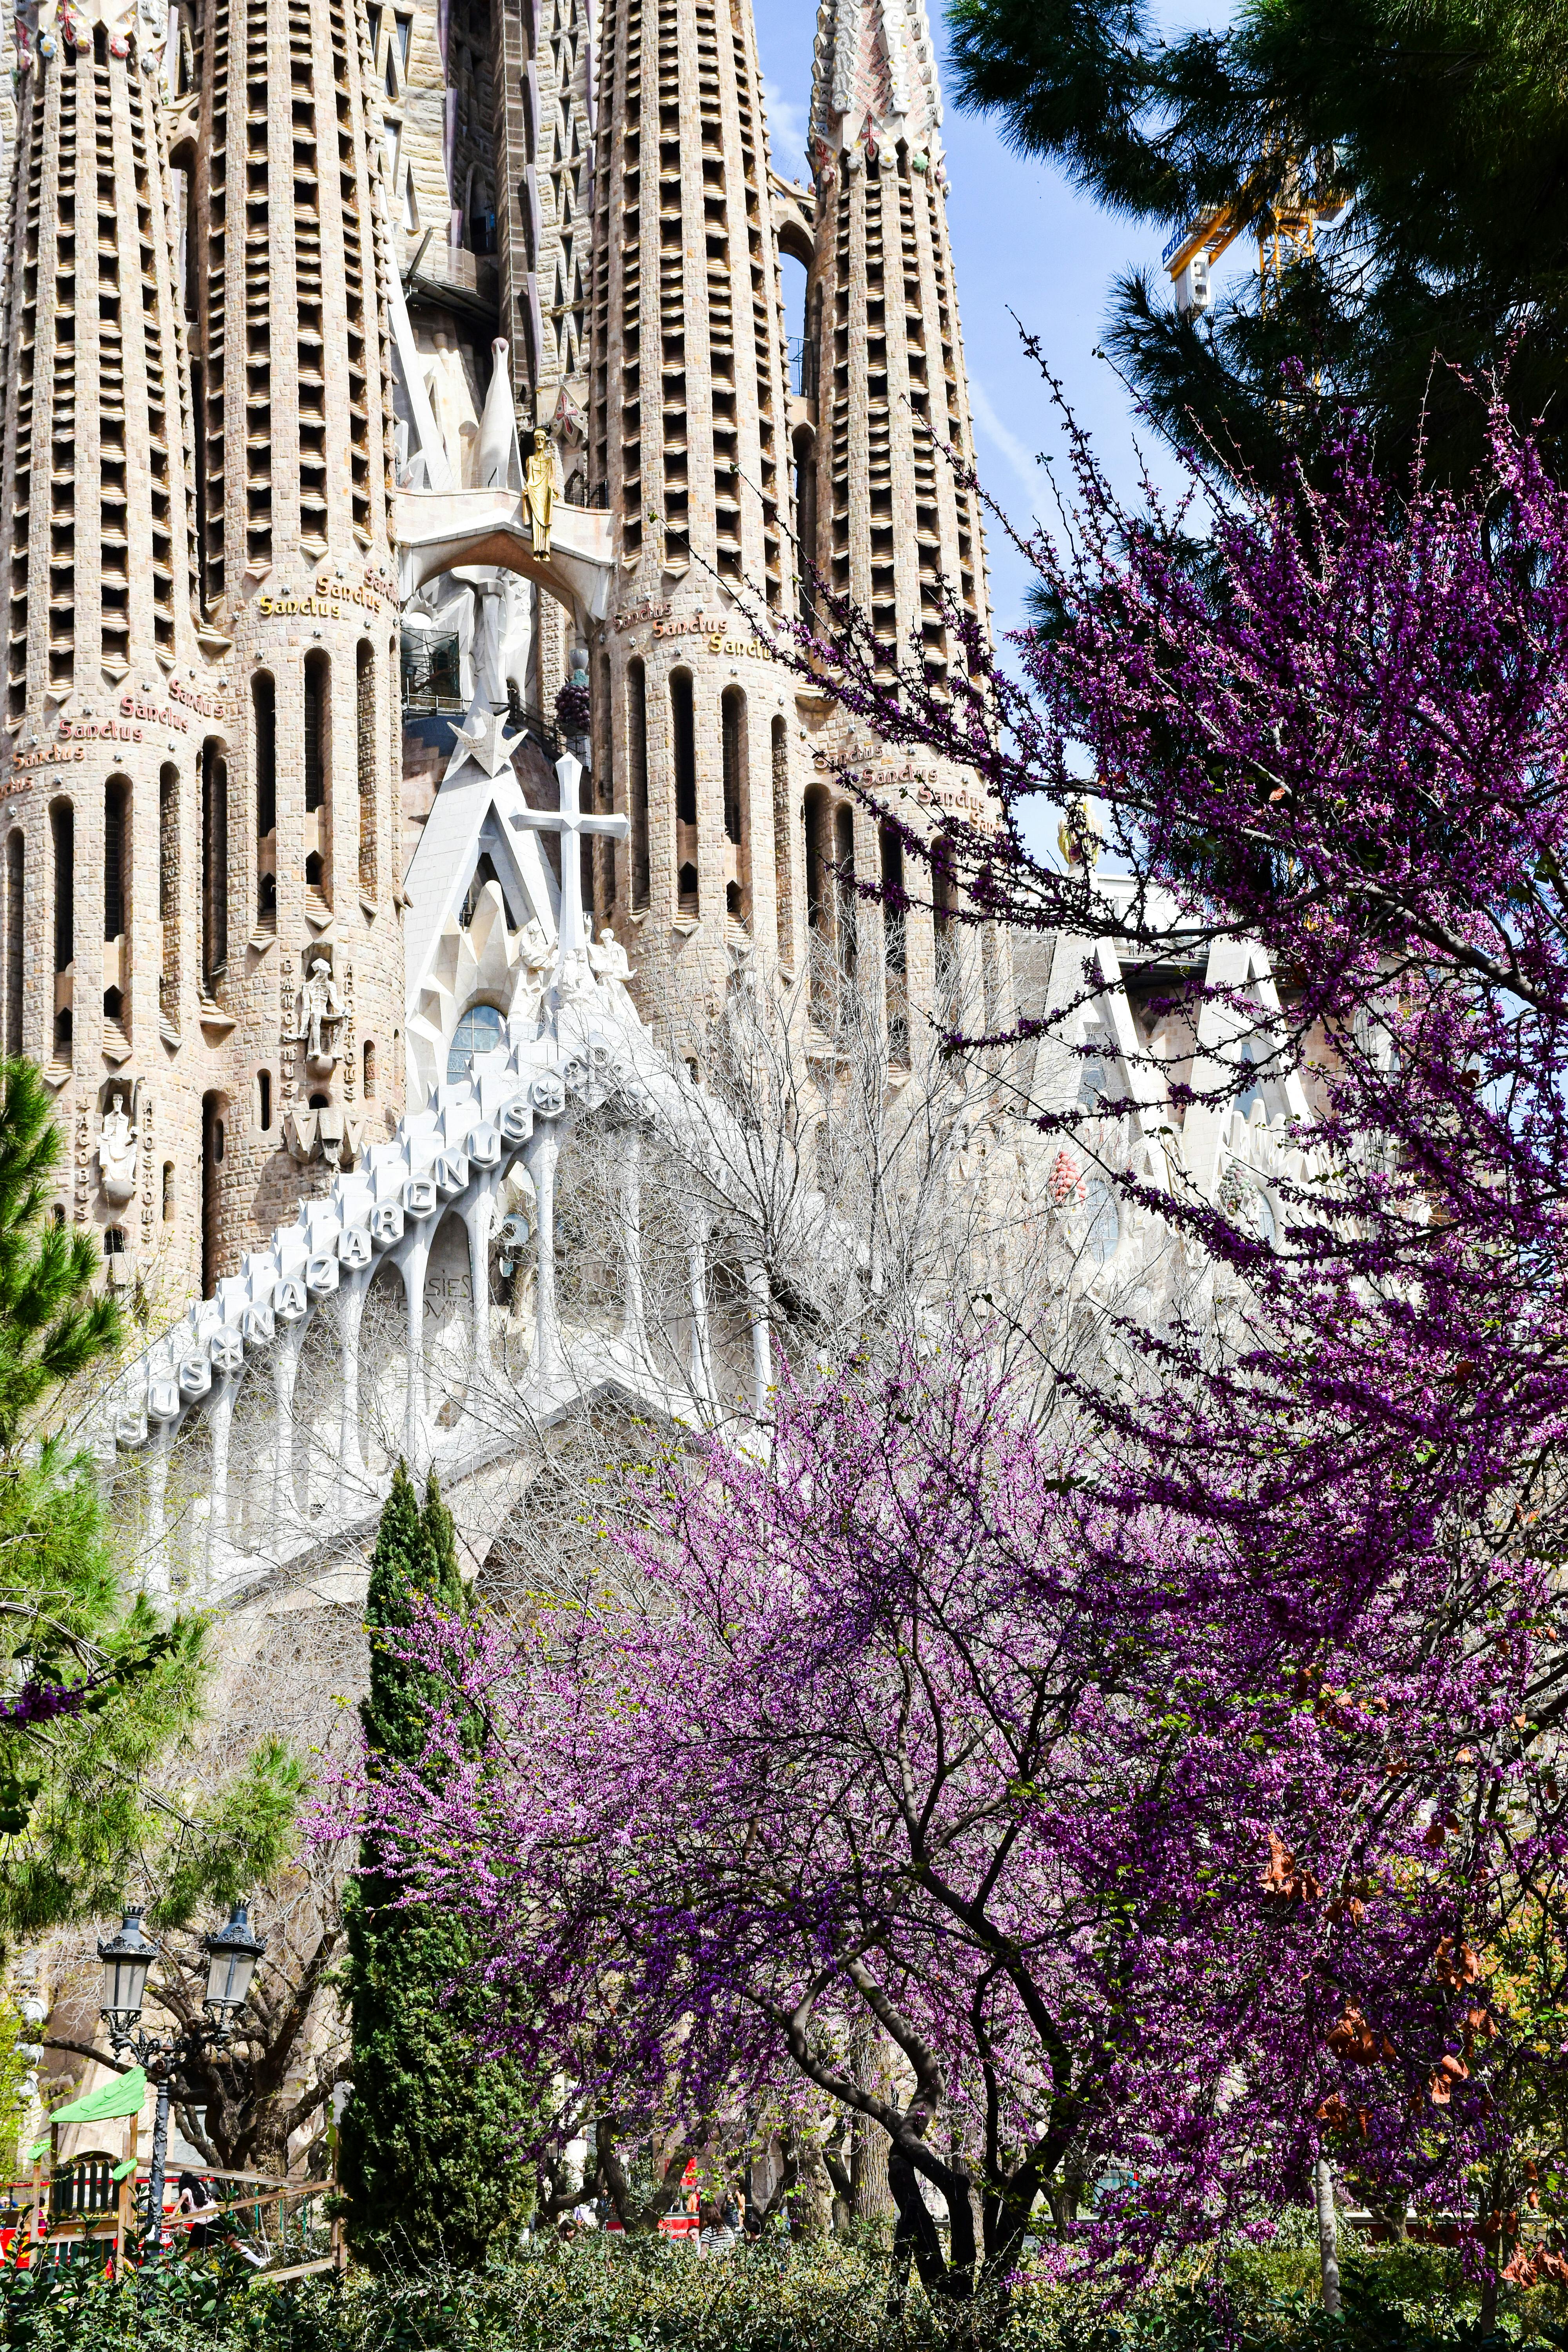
point(117, 1152)
point(539, 478)
point(608, 960)
point(575, 978)
point(535, 954)
point(452, 405)
point(318, 1010)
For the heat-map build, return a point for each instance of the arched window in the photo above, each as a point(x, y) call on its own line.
point(264, 1100)
point(480, 1029)
point(369, 1067)
point(168, 1191)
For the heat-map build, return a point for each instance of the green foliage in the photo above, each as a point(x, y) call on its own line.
point(427, 2153)
point(643, 2296)
point(1446, 121)
point(13, 2073)
point(101, 1691)
point(53, 1324)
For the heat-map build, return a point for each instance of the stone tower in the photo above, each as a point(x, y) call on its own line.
point(110, 692)
point(884, 516)
point(200, 766)
point(688, 427)
point(888, 522)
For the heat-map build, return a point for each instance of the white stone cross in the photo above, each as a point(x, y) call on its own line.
point(571, 822)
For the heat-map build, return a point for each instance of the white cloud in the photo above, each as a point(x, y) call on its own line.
point(786, 133)
point(1020, 458)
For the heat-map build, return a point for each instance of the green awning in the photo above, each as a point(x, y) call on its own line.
point(126, 2095)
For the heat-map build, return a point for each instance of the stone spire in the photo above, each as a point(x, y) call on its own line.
point(889, 520)
point(688, 444)
point(289, 250)
point(886, 516)
point(875, 65)
point(106, 671)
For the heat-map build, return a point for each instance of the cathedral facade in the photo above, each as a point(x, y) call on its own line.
point(394, 394)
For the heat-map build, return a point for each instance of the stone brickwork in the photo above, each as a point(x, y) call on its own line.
point(201, 774)
point(181, 818)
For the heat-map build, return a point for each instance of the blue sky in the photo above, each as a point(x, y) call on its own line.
point(1023, 241)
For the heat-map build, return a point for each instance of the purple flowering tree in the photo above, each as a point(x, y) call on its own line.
point(910, 1729)
point(1174, 1802)
point(1335, 725)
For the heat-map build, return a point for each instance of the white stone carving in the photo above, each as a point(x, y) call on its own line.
point(117, 1143)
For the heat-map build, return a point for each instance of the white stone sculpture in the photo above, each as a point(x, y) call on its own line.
point(452, 405)
point(318, 1011)
point(608, 960)
point(117, 1153)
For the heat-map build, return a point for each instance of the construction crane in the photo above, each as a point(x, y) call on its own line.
point(1285, 225)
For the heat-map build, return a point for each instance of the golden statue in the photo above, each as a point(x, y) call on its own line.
point(539, 487)
point(1079, 838)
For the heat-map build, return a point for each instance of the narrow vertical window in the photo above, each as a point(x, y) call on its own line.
point(116, 826)
point(844, 843)
point(893, 853)
point(737, 812)
point(62, 841)
point(604, 773)
point(264, 1100)
point(364, 707)
point(318, 778)
point(168, 1191)
point(370, 1069)
point(214, 863)
point(15, 960)
point(683, 727)
point(116, 908)
point(211, 1161)
point(264, 721)
point(783, 876)
point(636, 780)
point(169, 907)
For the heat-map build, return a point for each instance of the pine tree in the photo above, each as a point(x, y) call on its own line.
point(1444, 123)
point(53, 1324)
point(98, 1688)
point(426, 2155)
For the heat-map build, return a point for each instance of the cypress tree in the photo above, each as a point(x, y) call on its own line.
point(427, 2156)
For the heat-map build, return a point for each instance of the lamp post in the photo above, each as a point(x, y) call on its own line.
point(232, 1954)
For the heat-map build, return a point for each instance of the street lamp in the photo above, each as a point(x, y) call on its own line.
point(232, 1954)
